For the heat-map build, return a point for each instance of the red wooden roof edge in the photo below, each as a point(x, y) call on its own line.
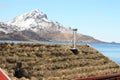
point(3, 76)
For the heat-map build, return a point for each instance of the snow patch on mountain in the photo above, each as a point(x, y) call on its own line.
point(36, 21)
point(28, 20)
point(7, 28)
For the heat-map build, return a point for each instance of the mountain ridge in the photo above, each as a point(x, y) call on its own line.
point(35, 25)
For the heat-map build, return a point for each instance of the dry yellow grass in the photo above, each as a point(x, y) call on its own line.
point(55, 62)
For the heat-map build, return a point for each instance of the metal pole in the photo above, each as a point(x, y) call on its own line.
point(74, 38)
point(74, 49)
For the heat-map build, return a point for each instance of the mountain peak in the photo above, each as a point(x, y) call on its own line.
point(34, 14)
point(29, 19)
point(36, 20)
point(37, 14)
point(36, 10)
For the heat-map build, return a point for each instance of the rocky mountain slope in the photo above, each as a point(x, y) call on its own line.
point(35, 25)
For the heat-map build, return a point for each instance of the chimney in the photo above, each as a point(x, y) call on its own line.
point(74, 38)
point(74, 49)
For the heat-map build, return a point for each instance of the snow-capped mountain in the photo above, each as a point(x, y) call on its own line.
point(35, 21)
point(35, 25)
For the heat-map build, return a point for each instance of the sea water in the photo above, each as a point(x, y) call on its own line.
point(111, 50)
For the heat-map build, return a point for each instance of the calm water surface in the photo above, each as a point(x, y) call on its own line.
point(111, 50)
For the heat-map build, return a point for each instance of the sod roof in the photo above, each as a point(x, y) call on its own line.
point(55, 62)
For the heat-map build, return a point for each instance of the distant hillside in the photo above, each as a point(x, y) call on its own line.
point(35, 25)
point(55, 62)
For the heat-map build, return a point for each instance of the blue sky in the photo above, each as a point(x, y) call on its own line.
point(97, 18)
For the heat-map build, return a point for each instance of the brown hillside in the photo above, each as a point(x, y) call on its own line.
point(54, 62)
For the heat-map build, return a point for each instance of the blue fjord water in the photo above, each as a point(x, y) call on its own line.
point(111, 50)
